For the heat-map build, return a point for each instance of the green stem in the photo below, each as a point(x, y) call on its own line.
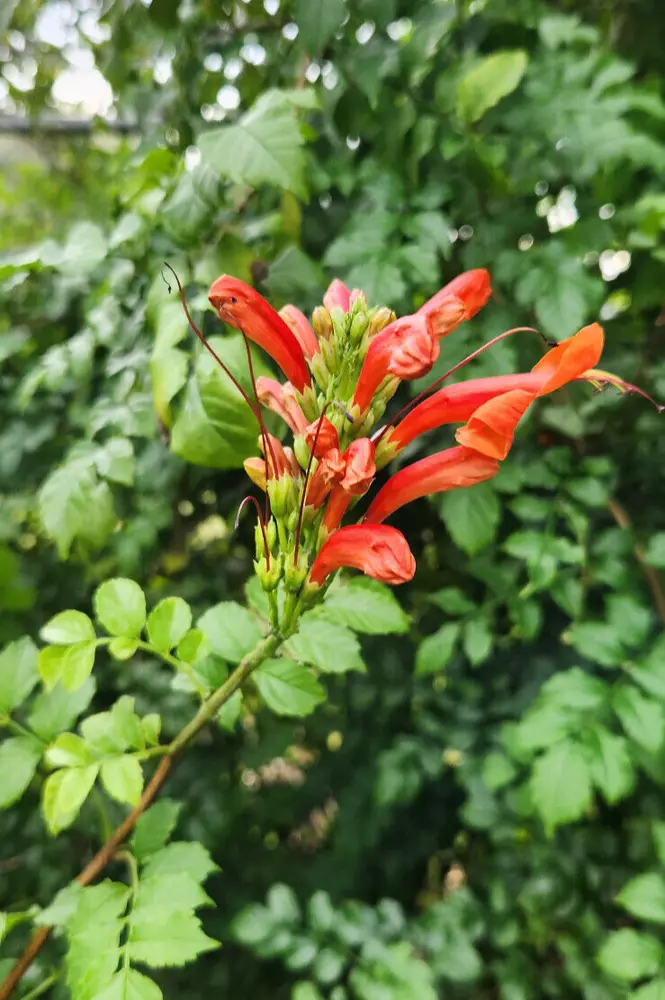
point(45, 985)
point(209, 709)
point(20, 730)
point(179, 665)
point(133, 869)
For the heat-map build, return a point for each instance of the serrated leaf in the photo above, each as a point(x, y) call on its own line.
point(598, 641)
point(181, 856)
point(366, 606)
point(122, 777)
point(19, 758)
point(435, 651)
point(232, 630)
point(151, 726)
point(154, 828)
point(63, 795)
point(73, 504)
point(332, 649)
point(560, 784)
point(128, 984)
point(263, 147)
point(168, 623)
point(642, 718)
point(62, 907)
point(629, 955)
point(644, 897)
point(18, 673)
point(487, 83)
point(612, 769)
point(120, 607)
point(288, 688)
point(471, 516)
point(165, 894)
point(175, 941)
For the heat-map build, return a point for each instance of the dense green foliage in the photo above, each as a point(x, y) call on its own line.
point(476, 808)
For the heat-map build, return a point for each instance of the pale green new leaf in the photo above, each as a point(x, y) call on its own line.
point(483, 86)
point(168, 623)
point(120, 607)
point(629, 955)
point(63, 795)
point(68, 627)
point(644, 897)
point(173, 941)
point(181, 856)
point(122, 777)
point(288, 688)
point(128, 984)
point(165, 894)
point(68, 750)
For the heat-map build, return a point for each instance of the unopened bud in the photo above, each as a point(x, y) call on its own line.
point(269, 577)
point(319, 368)
point(340, 323)
point(358, 327)
point(387, 390)
point(329, 355)
point(386, 451)
point(295, 575)
point(271, 533)
point(380, 319)
point(282, 495)
point(322, 322)
point(358, 301)
point(301, 451)
point(307, 398)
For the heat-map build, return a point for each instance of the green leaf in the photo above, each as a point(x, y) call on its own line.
point(94, 930)
point(128, 984)
point(18, 762)
point(305, 990)
point(366, 605)
point(68, 750)
point(642, 718)
point(561, 784)
point(263, 147)
point(629, 955)
point(254, 925)
point(658, 834)
point(85, 248)
point(181, 856)
point(168, 375)
point(72, 504)
point(154, 828)
point(288, 688)
point(63, 795)
point(62, 907)
point(122, 777)
point(575, 689)
point(317, 21)
point(630, 617)
point(612, 769)
point(332, 649)
point(655, 990)
point(193, 646)
point(58, 709)
point(231, 629)
point(68, 627)
point(120, 607)
point(229, 713)
point(168, 623)
point(471, 516)
point(597, 641)
point(492, 79)
point(435, 651)
point(122, 648)
point(18, 673)
point(644, 897)
point(174, 941)
point(166, 894)
point(650, 671)
point(452, 600)
point(115, 461)
point(77, 663)
point(655, 551)
point(477, 640)
point(498, 771)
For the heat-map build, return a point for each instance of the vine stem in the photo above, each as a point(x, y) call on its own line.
point(208, 710)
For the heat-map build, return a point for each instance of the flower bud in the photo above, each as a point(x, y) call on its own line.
point(269, 577)
point(282, 495)
point(322, 322)
point(341, 324)
point(256, 470)
point(386, 450)
point(380, 319)
point(357, 301)
point(319, 367)
point(337, 296)
point(295, 575)
point(358, 327)
point(329, 355)
point(271, 533)
point(321, 436)
point(301, 450)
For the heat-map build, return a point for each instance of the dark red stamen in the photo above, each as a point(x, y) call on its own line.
point(251, 499)
point(265, 437)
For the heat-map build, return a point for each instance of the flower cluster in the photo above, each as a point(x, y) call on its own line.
point(341, 371)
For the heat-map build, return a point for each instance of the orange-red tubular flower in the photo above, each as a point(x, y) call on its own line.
point(406, 348)
point(300, 327)
point(377, 550)
point(360, 468)
point(328, 472)
point(337, 296)
point(475, 400)
point(281, 400)
point(447, 470)
point(324, 433)
point(241, 306)
point(457, 301)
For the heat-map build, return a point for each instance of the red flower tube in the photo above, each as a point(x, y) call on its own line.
point(377, 550)
point(282, 401)
point(457, 301)
point(337, 296)
point(406, 348)
point(299, 326)
point(447, 470)
point(241, 306)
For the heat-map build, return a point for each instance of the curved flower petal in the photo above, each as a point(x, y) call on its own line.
point(406, 348)
point(447, 470)
point(324, 433)
point(377, 550)
point(360, 468)
point(457, 301)
point(281, 399)
point(241, 306)
point(571, 358)
point(491, 428)
point(300, 327)
point(337, 296)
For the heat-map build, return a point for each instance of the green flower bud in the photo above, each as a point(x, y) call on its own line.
point(307, 399)
point(295, 576)
point(320, 372)
point(385, 451)
point(358, 327)
point(271, 533)
point(329, 355)
point(381, 318)
point(340, 322)
point(282, 494)
point(301, 450)
point(269, 577)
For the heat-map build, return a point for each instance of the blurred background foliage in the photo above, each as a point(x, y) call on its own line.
point(459, 821)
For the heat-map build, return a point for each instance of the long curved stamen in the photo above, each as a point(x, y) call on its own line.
point(265, 437)
point(301, 511)
point(251, 499)
point(208, 347)
point(598, 379)
point(435, 385)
